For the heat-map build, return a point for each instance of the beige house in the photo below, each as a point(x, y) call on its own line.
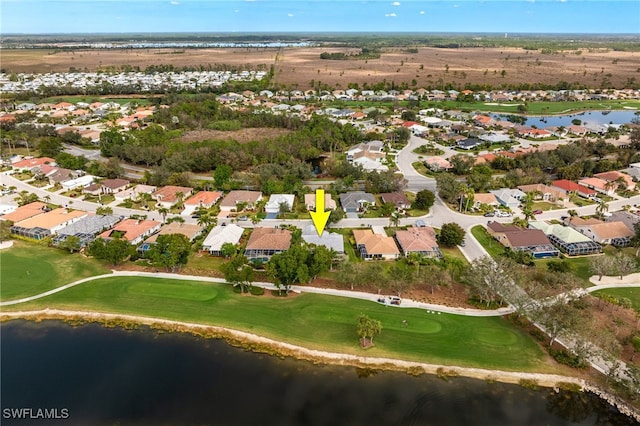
point(265, 242)
point(235, 198)
point(375, 246)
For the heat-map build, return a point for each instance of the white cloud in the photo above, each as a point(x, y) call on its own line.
point(456, 5)
point(422, 12)
point(395, 3)
point(390, 15)
point(290, 15)
point(174, 2)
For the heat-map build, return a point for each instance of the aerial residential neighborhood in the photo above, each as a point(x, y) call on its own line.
point(390, 205)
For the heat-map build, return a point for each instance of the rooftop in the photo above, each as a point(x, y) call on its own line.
point(51, 219)
point(269, 239)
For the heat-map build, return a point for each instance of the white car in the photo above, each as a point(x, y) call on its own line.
point(503, 214)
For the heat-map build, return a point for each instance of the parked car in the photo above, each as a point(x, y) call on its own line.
point(490, 214)
point(503, 214)
point(537, 212)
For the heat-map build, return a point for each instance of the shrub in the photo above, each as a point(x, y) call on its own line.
point(256, 291)
point(565, 357)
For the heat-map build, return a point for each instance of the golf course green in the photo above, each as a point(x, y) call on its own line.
point(311, 320)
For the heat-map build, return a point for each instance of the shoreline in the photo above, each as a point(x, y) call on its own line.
point(256, 343)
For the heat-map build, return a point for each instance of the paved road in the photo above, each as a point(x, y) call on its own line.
point(74, 203)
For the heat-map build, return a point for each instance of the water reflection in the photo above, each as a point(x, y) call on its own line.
point(107, 376)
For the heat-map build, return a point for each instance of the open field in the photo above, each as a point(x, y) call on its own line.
point(29, 269)
point(297, 67)
point(314, 321)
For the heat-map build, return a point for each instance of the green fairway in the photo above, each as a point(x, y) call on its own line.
point(631, 293)
point(29, 269)
point(314, 321)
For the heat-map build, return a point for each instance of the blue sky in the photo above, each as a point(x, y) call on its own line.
point(249, 16)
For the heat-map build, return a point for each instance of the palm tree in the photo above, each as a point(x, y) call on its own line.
point(255, 219)
point(609, 186)
point(601, 209)
point(394, 219)
point(163, 212)
point(527, 208)
point(207, 219)
point(468, 194)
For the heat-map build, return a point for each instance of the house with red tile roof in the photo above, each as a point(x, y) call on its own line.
point(600, 185)
point(485, 158)
point(421, 240)
point(533, 133)
point(47, 223)
point(483, 120)
point(203, 199)
point(620, 178)
point(132, 230)
point(168, 196)
point(7, 118)
point(438, 163)
point(568, 187)
point(62, 105)
point(25, 212)
point(31, 163)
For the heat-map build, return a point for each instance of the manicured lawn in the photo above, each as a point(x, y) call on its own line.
point(422, 169)
point(631, 293)
point(492, 247)
point(580, 267)
point(29, 269)
point(544, 205)
point(315, 321)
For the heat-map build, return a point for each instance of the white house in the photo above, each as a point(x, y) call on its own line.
point(273, 205)
point(220, 235)
point(80, 182)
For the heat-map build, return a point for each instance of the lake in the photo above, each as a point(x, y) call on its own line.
point(588, 117)
point(113, 376)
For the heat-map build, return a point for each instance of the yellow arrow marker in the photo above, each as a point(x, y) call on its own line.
point(320, 217)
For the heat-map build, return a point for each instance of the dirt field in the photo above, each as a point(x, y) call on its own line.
point(242, 135)
point(297, 67)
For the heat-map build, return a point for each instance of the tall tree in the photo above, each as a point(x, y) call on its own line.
point(424, 200)
point(449, 188)
point(71, 243)
point(113, 251)
point(367, 328)
point(171, 251)
point(238, 272)
point(451, 235)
